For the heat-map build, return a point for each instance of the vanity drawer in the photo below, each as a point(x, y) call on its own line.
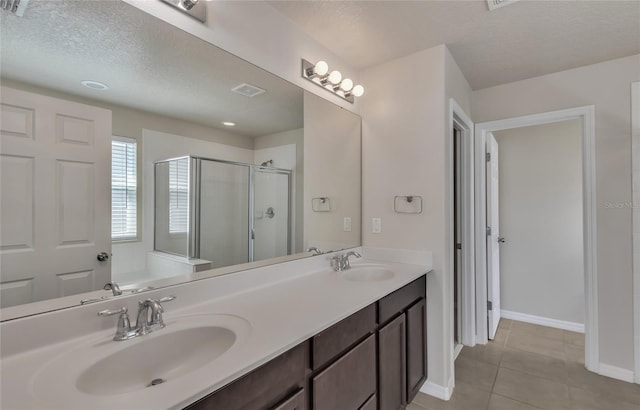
point(396, 302)
point(349, 382)
point(263, 388)
point(295, 402)
point(341, 336)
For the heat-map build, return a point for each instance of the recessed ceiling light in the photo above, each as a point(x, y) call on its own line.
point(228, 124)
point(94, 85)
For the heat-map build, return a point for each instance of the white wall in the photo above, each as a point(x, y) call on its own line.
point(406, 151)
point(541, 262)
point(607, 86)
point(332, 168)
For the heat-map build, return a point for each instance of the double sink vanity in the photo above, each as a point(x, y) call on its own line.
point(296, 335)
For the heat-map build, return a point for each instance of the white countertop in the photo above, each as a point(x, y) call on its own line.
point(280, 314)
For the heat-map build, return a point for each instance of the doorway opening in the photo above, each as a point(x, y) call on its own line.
point(457, 238)
point(461, 247)
point(483, 135)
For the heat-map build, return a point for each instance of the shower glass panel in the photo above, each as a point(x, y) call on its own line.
point(224, 207)
point(172, 204)
point(221, 211)
point(271, 220)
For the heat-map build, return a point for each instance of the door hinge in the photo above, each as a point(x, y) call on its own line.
point(488, 156)
point(488, 231)
point(489, 305)
point(458, 246)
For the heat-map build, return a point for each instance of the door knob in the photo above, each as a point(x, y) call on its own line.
point(103, 256)
point(500, 239)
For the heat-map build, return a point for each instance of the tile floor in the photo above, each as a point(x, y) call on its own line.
point(531, 367)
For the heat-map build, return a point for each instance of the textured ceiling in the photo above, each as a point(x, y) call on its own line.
point(523, 40)
point(149, 65)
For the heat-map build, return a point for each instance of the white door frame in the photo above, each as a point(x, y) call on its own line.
point(635, 160)
point(458, 117)
point(587, 116)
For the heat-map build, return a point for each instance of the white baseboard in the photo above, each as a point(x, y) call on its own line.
point(544, 321)
point(616, 372)
point(436, 390)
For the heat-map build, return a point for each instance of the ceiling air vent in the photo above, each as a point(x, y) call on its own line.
point(496, 4)
point(15, 6)
point(248, 90)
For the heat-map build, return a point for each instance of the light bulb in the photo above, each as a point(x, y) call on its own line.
point(346, 84)
point(321, 68)
point(358, 90)
point(335, 77)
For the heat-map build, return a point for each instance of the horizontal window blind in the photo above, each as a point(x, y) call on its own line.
point(179, 196)
point(124, 188)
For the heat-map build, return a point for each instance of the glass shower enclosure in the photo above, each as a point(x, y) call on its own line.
point(222, 211)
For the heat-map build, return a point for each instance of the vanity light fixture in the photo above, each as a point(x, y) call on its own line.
point(95, 85)
point(319, 74)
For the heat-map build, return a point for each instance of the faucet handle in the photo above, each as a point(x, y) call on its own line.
point(166, 299)
point(107, 312)
point(123, 330)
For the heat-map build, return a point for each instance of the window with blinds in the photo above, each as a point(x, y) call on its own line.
point(179, 196)
point(124, 189)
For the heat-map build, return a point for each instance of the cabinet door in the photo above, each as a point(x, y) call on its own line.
point(349, 382)
point(370, 404)
point(416, 348)
point(392, 365)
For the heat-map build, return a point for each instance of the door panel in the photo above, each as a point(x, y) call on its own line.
point(55, 197)
point(493, 246)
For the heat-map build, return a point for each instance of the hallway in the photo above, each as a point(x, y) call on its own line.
point(531, 367)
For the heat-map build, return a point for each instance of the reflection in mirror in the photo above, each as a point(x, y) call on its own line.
point(245, 194)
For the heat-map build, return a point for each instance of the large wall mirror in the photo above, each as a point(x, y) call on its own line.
point(120, 161)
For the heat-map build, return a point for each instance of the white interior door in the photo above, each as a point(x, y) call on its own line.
point(493, 237)
point(55, 197)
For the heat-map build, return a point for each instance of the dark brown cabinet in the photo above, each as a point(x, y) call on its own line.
point(265, 388)
point(416, 348)
point(392, 366)
point(402, 345)
point(349, 382)
point(374, 359)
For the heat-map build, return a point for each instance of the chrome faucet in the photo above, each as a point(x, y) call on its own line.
point(341, 262)
point(149, 318)
point(113, 287)
point(314, 250)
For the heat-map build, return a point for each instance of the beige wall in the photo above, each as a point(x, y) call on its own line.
point(607, 86)
point(332, 166)
point(541, 262)
point(406, 152)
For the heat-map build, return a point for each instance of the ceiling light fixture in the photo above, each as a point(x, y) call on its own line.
point(332, 81)
point(94, 85)
point(228, 124)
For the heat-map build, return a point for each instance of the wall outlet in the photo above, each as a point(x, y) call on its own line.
point(376, 225)
point(346, 225)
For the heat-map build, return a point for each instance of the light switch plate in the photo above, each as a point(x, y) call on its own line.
point(376, 225)
point(346, 226)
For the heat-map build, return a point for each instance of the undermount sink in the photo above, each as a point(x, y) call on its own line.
point(188, 347)
point(155, 361)
point(367, 273)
